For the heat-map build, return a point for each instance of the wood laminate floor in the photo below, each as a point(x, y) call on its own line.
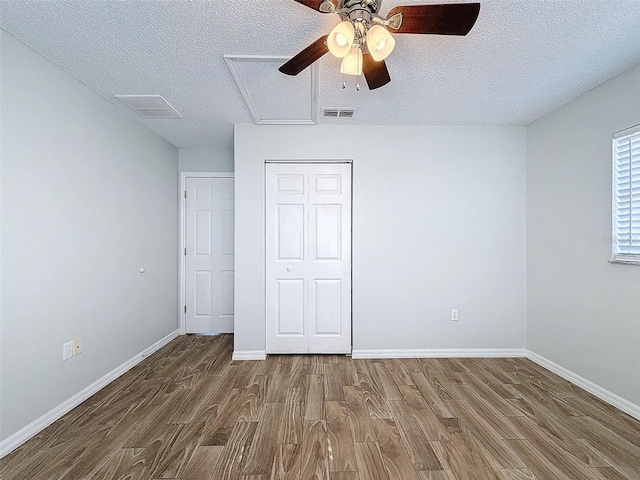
point(189, 412)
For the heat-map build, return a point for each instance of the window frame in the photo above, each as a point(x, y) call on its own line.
point(616, 256)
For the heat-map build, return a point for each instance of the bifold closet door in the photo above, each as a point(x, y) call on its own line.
point(308, 217)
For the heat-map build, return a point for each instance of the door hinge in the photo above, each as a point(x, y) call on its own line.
point(185, 251)
point(185, 194)
point(185, 309)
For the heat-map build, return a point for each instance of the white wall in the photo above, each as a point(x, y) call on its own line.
point(89, 196)
point(583, 312)
point(206, 159)
point(438, 222)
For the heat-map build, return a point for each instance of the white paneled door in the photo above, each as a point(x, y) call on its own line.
point(308, 257)
point(209, 255)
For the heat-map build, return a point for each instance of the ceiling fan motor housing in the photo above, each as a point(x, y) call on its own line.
point(360, 13)
point(372, 6)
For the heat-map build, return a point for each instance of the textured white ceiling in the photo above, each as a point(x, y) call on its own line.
point(522, 59)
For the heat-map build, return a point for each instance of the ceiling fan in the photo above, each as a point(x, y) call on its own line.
point(363, 39)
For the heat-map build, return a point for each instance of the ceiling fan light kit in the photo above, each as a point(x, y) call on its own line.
point(341, 39)
point(352, 63)
point(380, 42)
point(363, 40)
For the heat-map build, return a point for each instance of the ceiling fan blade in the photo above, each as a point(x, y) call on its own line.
point(442, 19)
point(376, 73)
point(306, 57)
point(316, 4)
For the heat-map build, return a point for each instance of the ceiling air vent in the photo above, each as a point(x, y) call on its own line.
point(338, 113)
point(149, 106)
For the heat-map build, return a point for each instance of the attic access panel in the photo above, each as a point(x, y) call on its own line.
point(271, 97)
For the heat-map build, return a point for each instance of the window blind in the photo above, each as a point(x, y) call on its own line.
point(626, 195)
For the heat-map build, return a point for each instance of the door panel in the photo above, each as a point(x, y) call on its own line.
point(203, 293)
point(203, 233)
point(328, 184)
point(330, 267)
point(227, 232)
point(290, 308)
point(290, 232)
point(291, 183)
point(209, 239)
point(328, 225)
point(226, 281)
point(328, 311)
point(308, 249)
point(287, 245)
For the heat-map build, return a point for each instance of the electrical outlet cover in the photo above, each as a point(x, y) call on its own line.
point(77, 346)
point(67, 350)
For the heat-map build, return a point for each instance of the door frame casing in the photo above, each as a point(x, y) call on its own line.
point(182, 326)
point(264, 226)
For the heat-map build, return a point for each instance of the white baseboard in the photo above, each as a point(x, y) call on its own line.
point(14, 441)
point(440, 353)
point(249, 355)
point(603, 394)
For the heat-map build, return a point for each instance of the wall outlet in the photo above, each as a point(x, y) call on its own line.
point(454, 315)
point(77, 346)
point(67, 350)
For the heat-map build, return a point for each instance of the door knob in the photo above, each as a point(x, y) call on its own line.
point(288, 269)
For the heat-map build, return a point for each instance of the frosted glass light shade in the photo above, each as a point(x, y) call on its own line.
point(380, 42)
point(352, 63)
point(340, 39)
